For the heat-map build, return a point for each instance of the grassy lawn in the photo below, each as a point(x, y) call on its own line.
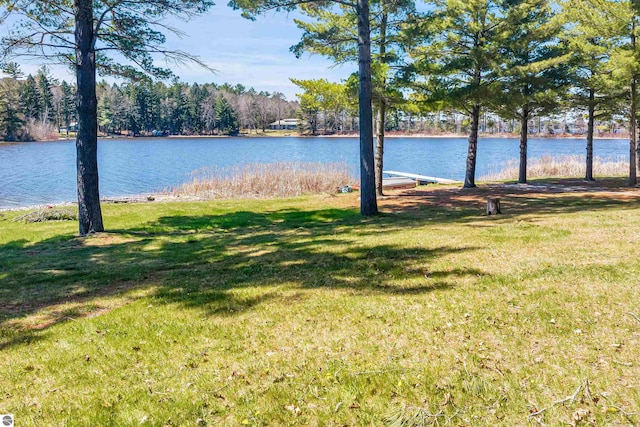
point(300, 312)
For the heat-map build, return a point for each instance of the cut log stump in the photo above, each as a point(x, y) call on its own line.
point(493, 206)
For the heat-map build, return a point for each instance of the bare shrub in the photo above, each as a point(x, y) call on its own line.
point(264, 180)
point(41, 131)
point(560, 166)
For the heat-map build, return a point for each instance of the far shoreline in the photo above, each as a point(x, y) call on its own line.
point(346, 135)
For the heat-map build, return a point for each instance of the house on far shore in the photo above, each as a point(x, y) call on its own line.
point(284, 124)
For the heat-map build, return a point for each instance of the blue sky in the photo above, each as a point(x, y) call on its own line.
point(252, 53)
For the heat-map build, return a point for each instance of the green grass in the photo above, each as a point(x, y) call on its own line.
point(300, 312)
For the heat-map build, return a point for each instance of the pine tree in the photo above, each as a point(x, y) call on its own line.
point(620, 21)
point(178, 108)
point(67, 105)
point(10, 120)
point(361, 11)
point(47, 113)
point(536, 70)
point(457, 61)
point(227, 119)
point(591, 42)
point(82, 33)
point(195, 100)
point(30, 99)
point(331, 33)
point(105, 114)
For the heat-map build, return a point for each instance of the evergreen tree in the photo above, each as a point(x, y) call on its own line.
point(457, 65)
point(67, 107)
point(120, 108)
point(30, 99)
point(361, 11)
point(227, 119)
point(10, 120)
point(47, 113)
point(195, 104)
point(591, 41)
point(535, 72)
point(105, 114)
point(331, 33)
point(133, 112)
point(620, 20)
point(82, 33)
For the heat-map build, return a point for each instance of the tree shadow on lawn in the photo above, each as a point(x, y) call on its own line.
point(549, 196)
point(201, 261)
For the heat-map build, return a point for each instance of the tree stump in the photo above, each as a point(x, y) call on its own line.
point(493, 206)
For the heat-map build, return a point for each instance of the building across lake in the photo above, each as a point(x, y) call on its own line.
point(284, 124)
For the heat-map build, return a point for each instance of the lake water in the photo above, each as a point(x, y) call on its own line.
point(43, 173)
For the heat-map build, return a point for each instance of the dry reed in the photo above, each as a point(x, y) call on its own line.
point(265, 180)
point(40, 131)
point(560, 166)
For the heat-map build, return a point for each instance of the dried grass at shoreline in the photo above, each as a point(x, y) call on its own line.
point(265, 180)
point(560, 166)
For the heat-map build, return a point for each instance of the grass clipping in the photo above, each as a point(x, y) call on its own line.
point(44, 215)
point(560, 166)
point(267, 180)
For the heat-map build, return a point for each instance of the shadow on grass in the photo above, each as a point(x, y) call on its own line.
point(549, 196)
point(201, 261)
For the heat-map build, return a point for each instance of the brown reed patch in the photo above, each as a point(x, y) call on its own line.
point(559, 166)
point(265, 180)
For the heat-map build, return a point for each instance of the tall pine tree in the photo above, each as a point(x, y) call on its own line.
point(10, 116)
point(47, 113)
point(591, 39)
point(536, 72)
point(331, 33)
point(227, 119)
point(361, 10)
point(457, 61)
point(30, 99)
point(83, 32)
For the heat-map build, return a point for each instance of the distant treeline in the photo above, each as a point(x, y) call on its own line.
point(36, 108)
point(146, 108)
point(39, 107)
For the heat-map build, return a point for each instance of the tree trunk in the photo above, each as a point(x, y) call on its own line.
point(524, 130)
point(368, 202)
point(632, 133)
point(382, 108)
point(89, 212)
point(379, 163)
point(470, 175)
point(633, 143)
point(590, 130)
point(493, 206)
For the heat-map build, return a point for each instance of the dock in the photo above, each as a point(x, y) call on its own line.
point(416, 178)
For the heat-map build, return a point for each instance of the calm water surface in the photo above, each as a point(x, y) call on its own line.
point(42, 173)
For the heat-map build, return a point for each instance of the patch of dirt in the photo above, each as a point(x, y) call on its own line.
point(457, 197)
